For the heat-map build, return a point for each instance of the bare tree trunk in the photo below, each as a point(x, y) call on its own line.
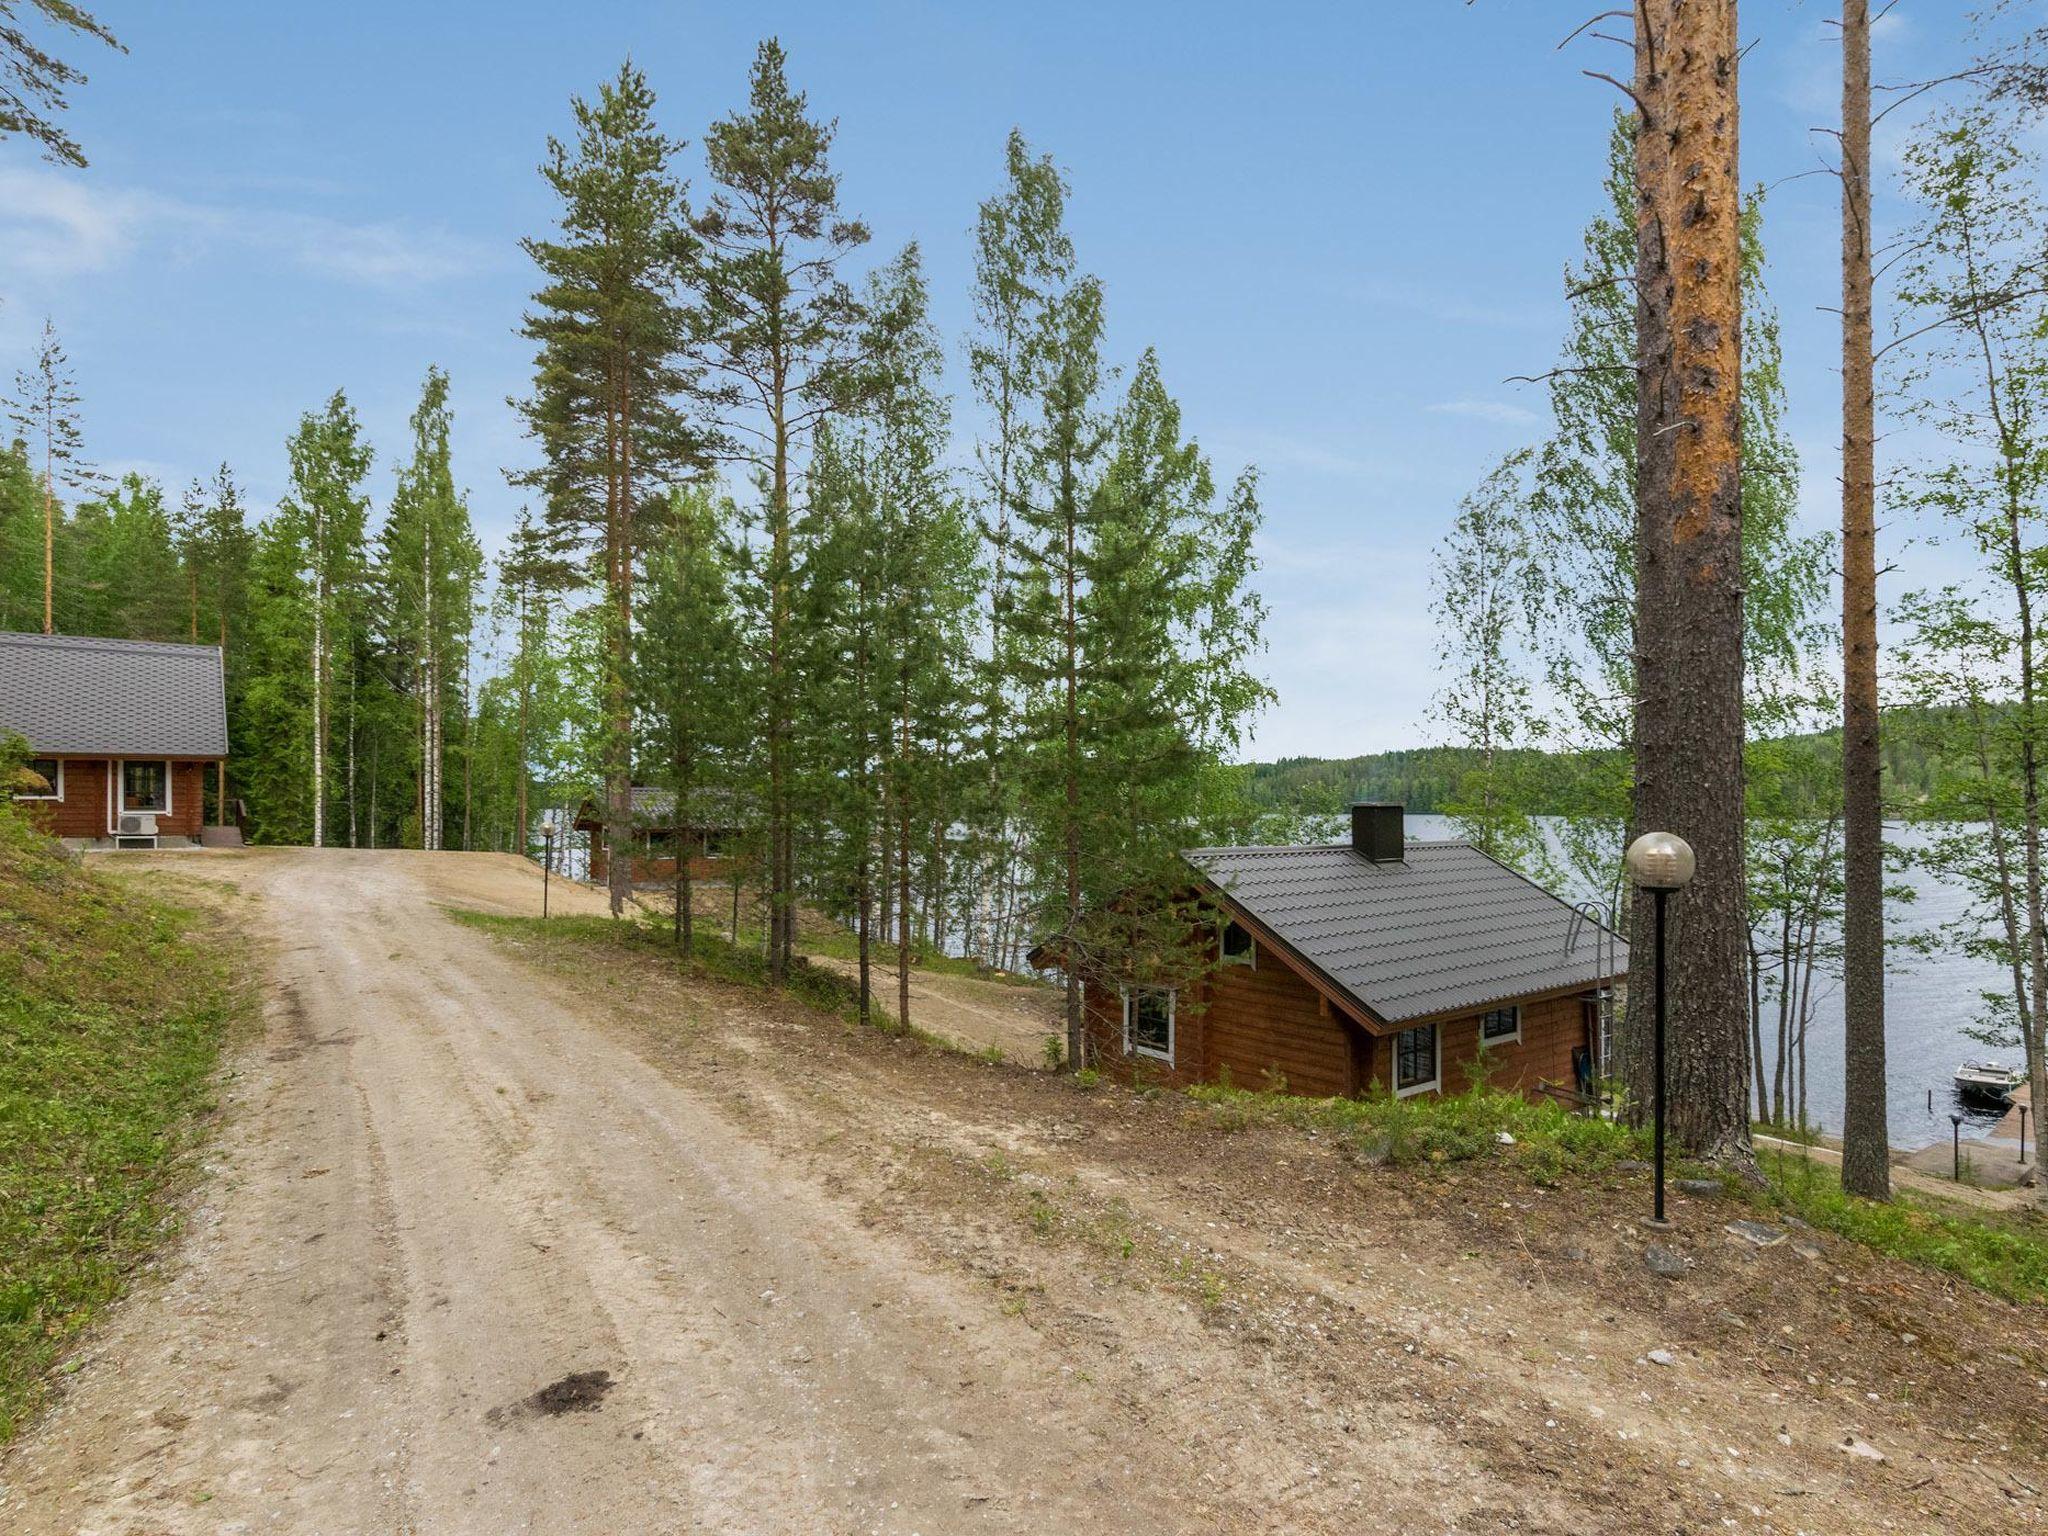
point(1866, 1139)
point(49, 543)
point(1689, 727)
point(319, 689)
point(618, 703)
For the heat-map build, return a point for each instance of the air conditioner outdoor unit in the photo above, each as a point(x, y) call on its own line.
point(136, 827)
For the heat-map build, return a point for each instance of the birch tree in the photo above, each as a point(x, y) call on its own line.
point(1023, 259)
point(321, 524)
point(1482, 579)
point(431, 566)
point(1978, 328)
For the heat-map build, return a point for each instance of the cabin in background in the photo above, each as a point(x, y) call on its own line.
point(1377, 964)
point(120, 736)
point(706, 834)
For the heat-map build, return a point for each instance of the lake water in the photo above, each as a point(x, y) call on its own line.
point(1929, 1001)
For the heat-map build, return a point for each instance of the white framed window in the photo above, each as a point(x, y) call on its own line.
point(1148, 1022)
point(1500, 1026)
point(1238, 945)
point(51, 771)
point(1418, 1060)
point(146, 784)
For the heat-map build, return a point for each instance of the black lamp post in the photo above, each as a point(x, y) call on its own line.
point(547, 861)
point(1956, 1139)
point(1662, 864)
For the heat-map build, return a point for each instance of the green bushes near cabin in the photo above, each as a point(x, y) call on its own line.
point(2004, 1252)
point(1545, 1138)
point(113, 1008)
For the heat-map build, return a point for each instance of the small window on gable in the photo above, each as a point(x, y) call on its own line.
point(48, 771)
point(1500, 1026)
point(1148, 1022)
point(1238, 946)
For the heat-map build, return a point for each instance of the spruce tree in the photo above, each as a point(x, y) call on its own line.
point(611, 322)
point(690, 677)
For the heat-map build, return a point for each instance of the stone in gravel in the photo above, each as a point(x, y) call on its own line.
point(1632, 1165)
point(1756, 1233)
point(1706, 1189)
point(1851, 1446)
point(1660, 1357)
point(1808, 1251)
point(1664, 1261)
point(1576, 1254)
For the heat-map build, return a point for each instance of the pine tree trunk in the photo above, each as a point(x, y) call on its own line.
point(319, 693)
point(780, 915)
point(1689, 727)
point(1076, 1035)
point(864, 877)
point(618, 702)
point(49, 535)
point(1866, 1141)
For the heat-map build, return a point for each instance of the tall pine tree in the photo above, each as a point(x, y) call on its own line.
point(611, 323)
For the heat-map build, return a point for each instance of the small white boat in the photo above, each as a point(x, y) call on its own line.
point(1987, 1080)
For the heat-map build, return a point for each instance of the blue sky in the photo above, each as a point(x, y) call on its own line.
point(1343, 226)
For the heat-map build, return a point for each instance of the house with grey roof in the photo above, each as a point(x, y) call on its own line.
point(120, 736)
point(703, 833)
point(1376, 964)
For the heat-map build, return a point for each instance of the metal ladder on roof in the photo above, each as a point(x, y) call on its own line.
point(1606, 951)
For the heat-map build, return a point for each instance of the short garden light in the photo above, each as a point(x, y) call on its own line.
point(1660, 863)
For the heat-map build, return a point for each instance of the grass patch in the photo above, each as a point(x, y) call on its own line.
point(1547, 1139)
point(713, 957)
point(113, 1008)
point(2005, 1253)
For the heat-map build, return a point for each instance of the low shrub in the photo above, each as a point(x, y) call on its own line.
point(1483, 1121)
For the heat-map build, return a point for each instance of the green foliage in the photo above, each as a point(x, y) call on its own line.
point(1430, 1129)
point(2006, 1254)
point(429, 567)
point(113, 1007)
point(33, 79)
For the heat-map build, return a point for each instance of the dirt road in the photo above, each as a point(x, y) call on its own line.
point(512, 1235)
point(469, 1265)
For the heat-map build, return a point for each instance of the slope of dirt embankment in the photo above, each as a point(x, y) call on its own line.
point(116, 993)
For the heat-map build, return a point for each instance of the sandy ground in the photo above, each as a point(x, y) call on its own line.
point(1014, 1019)
point(444, 1195)
point(500, 1240)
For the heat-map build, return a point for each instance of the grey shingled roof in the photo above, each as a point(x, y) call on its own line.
point(70, 695)
point(654, 807)
point(1446, 931)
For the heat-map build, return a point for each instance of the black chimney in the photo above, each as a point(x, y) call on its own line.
point(1378, 831)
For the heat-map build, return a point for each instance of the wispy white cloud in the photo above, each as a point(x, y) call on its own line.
point(60, 226)
point(1486, 410)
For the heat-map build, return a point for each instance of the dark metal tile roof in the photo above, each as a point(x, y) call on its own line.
point(69, 694)
point(1445, 931)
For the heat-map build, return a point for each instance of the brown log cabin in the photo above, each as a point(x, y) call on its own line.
point(705, 834)
point(1377, 965)
point(120, 736)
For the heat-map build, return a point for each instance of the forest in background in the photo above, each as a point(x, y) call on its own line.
point(964, 688)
